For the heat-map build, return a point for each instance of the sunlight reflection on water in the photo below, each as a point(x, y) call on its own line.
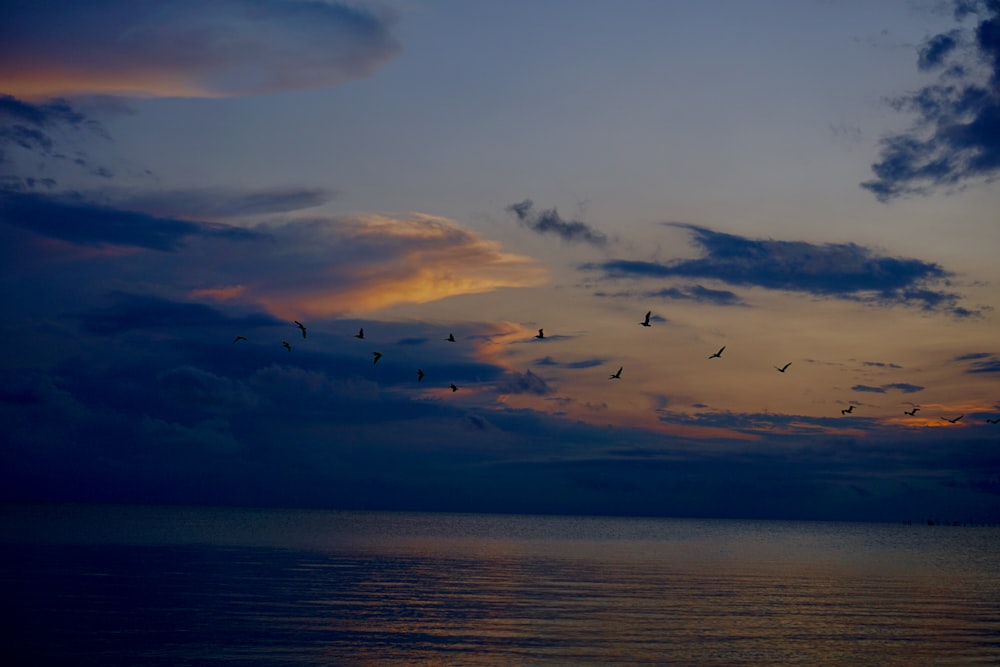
point(179, 585)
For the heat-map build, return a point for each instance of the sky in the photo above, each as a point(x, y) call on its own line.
point(800, 185)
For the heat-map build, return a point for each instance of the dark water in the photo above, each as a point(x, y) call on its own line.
point(190, 586)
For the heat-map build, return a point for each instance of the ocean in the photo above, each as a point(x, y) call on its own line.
point(126, 585)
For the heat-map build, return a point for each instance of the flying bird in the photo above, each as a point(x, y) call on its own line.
point(286, 345)
point(952, 421)
point(453, 387)
point(450, 338)
point(377, 355)
point(783, 368)
point(645, 322)
point(301, 326)
point(360, 334)
point(420, 374)
point(541, 334)
point(616, 375)
point(994, 421)
point(911, 412)
point(239, 338)
point(717, 354)
point(848, 410)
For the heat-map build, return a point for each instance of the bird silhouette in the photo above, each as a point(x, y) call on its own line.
point(420, 374)
point(616, 375)
point(377, 355)
point(361, 333)
point(994, 421)
point(952, 421)
point(718, 354)
point(450, 338)
point(645, 322)
point(911, 412)
point(239, 338)
point(783, 368)
point(453, 387)
point(286, 345)
point(541, 334)
point(301, 326)
point(848, 410)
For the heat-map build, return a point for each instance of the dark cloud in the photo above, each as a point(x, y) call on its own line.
point(73, 219)
point(523, 383)
point(956, 136)
point(839, 270)
point(982, 362)
point(582, 364)
point(36, 128)
point(699, 293)
point(188, 48)
point(898, 386)
point(550, 222)
point(881, 364)
point(142, 311)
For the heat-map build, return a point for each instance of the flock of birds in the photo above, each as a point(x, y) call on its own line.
point(614, 376)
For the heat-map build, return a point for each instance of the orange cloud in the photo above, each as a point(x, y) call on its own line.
point(226, 293)
point(371, 262)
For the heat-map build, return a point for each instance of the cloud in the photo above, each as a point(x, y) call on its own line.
point(188, 48)
point(898, 386)
point(881, 364)
point(699, 293)
point(838, 270)
point(38, 129)
point(982, 362)
point(70, 218)
point(575, 365)
point(363, 263)
point(549, 222)
point(955, 138)
point(221, 203)
point(523, 383)
point(142, 311)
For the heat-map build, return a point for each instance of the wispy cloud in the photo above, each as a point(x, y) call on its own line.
point(220, 203)
point(549, 221)
point(523, 383)
point(981, 362)
point(38, 130)
point(954, 138)
point(188, 48)
point(839, 270)
point(143, 311)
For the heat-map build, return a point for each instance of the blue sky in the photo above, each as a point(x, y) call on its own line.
point(804, 183)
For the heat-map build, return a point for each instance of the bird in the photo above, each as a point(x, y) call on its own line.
point(420, 374)
point(616, 375)
point(717, 354)
point(847, 410)
point(453, 387)
point(952, 421)
point(994, 421)
point(361, 333)
point(783, 368)
point(450, 338)
point(541, 334)
point(239, 338)
point(911, 412)
point(301, 326)
point(286, 345)
point(645, 322)
point(377, 355)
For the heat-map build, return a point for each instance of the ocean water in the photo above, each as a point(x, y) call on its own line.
point(109, 585)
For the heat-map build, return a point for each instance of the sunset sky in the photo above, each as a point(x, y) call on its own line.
point(809, 183)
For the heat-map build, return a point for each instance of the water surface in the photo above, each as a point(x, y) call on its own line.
point(183, 586)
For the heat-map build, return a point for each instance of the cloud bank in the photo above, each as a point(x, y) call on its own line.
point(187, 48)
